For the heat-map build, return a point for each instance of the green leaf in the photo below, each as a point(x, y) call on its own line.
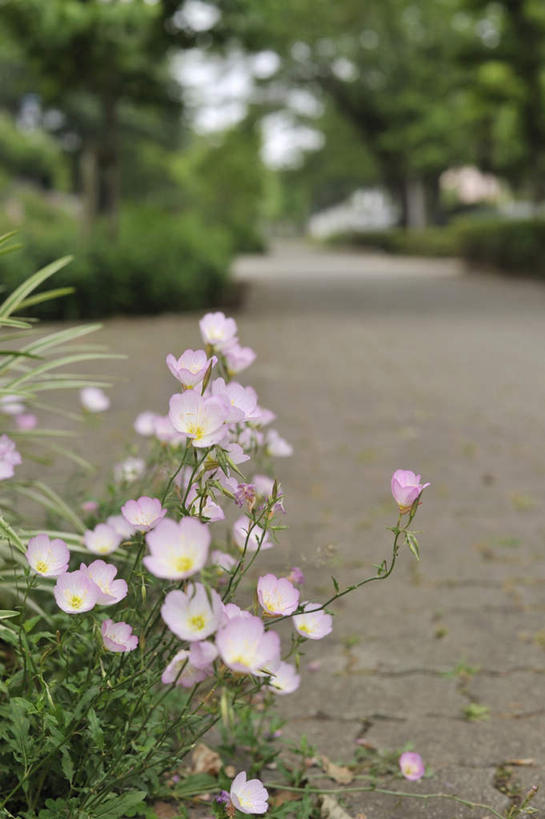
point(335, 583)
point(116, 806)
point(11, 535)
point(15, 299)
point(66, 764)
point(412, 543)
point(5, 614)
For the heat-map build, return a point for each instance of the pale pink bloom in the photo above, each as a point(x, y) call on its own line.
point(165, 432)
point(191, 615)
point(285, 679)
point(47, 557)
point(102, 540)
point(277, 595)
point(191, 367)
point(222, 560)
point(118, 636)
point(245, 494)
point(218, 331)
point(228, 483)
point(314, 665)
point(121, 526)
point(406, 488)
point(314, 623)
point(264, 485)
point(89, 506)
point(250, 438)
point(145, 423)
point(178, 550)
point(201, 419)
point(238, 358)
point(250, 534)
point(195, 665)
point(245, 646)
point(412, 766)
point(236, 454)
point(144, 514)
point(75, 592)
point(11, 405)
point(103, 574)
point(204, 507)
point(296, 575)
point(231, 611)
point(94, 399)
point(26, 420)
point(9, 457)
point(266, 416)
point(129, 470)
point(276, 445)
point(249, 796)
point(240, 402)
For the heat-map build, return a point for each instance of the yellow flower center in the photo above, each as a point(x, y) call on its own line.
point(183, 564)
point(41, 566)
point(197, 622)
point(196, 431)
point(75, 601)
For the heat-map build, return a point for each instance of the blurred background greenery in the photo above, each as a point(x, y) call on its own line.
point(155, 139)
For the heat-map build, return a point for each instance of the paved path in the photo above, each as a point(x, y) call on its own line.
point(375, 363)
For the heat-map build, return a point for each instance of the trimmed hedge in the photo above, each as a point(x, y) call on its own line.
point(434, 241)
point(159, 262)
point(515, 247)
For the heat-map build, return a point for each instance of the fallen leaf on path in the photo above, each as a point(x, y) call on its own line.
point(520, 762)
point(284, 796)
point(339, 773)
point(205, 760)
point(330, 809)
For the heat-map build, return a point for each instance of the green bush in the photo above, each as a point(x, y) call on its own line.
point(433, 241)
point(516, 247)
point(159, 262)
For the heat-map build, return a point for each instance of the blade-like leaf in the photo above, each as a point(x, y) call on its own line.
point(14, 300)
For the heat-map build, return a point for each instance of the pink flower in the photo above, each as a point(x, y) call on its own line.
point(75, 592)
point(145, 423)
point(189, 667)
point(266, 416)
point(296, 575)
point(285, 679)
point(178, 550)
point(144, 514)
point(118, 636)
point(191, 367)
point(103, 574)
point(204, 507)
point(47, 557)
point(245, 646)
point(165, 432)
point(102, 540)
point(240, 402)
point(232, 611)
point(412, 766)
point(129, 470)
point(277, 446)
point(277, 596)
point(217, 330)
point(191, 615)
point(94, 399)
point(26, 420)
point(222, 560)
point(201, 419)
point(246, 532)
point(406, 488)
point(89, 506)
point(9, 457)
point(314, 623)
point(264, 485)
point(249, 796)
point(121, 526)
point(238, 358)
point(11, 405)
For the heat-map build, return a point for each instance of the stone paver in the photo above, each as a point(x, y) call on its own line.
point(372, 364)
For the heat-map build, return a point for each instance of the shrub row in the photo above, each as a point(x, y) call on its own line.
point(436, 241)
point(159, 262)
point(514, 247)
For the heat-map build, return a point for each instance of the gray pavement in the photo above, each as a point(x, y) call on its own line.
point(374, 363)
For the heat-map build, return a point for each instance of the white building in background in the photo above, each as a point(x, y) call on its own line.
point(365, 209)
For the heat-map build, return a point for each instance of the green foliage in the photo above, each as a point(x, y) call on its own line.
point(433, 241)
point(159, 262)
point(32, 155)
point(513, 247)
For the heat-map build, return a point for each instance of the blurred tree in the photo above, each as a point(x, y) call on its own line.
point(504, 44)
point(98, 63)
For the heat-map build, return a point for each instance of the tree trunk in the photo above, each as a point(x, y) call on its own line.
point(108, 167)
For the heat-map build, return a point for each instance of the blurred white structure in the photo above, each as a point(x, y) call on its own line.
point(471, 185)
point(366, 209)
